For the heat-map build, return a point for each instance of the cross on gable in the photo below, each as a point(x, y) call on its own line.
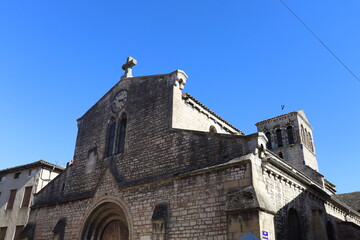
point(130, 62)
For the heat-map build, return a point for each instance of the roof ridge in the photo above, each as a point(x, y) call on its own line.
point(277, 116)
point(30, 165)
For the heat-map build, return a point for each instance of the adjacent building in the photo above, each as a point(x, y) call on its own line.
point(17, 187)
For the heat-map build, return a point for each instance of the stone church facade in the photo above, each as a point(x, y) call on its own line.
point(153, 163)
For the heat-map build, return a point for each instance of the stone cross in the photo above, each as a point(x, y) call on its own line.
point(130, 62)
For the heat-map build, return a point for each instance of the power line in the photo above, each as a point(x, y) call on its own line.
point(320, 41)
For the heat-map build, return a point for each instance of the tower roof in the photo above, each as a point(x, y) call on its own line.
point(300, 113)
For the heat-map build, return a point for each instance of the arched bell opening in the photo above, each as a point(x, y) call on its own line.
point(107, 221)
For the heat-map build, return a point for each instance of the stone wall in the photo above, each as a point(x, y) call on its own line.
point(315, 208)
point(188, 113)
point(153, 150)
point(206, 185)
point(196, 204)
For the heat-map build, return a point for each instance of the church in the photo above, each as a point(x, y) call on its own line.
point(153, 163)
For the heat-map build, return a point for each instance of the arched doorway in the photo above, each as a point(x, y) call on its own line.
point(107, 221)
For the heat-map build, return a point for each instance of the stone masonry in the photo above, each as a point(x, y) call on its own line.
point(152, 162)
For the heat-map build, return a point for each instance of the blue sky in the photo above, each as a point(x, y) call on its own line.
point(244, 60)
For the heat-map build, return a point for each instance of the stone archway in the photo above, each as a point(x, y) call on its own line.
point(107, 221)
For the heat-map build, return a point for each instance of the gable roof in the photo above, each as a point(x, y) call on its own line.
point(300, 113)
point(40, 163)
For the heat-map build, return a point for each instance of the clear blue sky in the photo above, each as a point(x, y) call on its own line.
point(244, 59)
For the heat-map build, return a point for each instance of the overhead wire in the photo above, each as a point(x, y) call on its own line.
point(332, 53)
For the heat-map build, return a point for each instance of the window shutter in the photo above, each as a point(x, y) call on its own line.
point(27, 196)
point(3, 233)
point(11, 199)
point(18, 231)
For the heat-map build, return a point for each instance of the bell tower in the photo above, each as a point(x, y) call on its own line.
point(290, 137)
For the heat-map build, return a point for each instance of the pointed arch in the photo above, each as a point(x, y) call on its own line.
point(110, 138)
point(121, 134)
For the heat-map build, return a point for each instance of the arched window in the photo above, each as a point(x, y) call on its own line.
point(279, 137)
point(306, 138)
point(293, 225)
point(268, 136)
point(290, 134)
point(110, 138)
point(311, 145)
point(303, 134)
point(281, 155)
point(121, 134)
point(212, 129)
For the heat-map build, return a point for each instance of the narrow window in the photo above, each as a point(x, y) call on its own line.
point(311, 145)
point(281, 155)
point(279, 137)
point(290, 135)
point(268, 136)
point(110, 138)
point(302, 134)
point(121, 134)
point(18, 231)
point(11, 199)
point(3, 233)
point(2, 179)
point(306, 138)
point(27, 196)
point(32, 172)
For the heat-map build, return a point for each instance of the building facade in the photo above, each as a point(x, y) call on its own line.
point(17, 187)
point(153, 163)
